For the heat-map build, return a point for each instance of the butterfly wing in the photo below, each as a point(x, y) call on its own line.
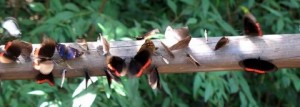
point(41, 78)
point(47, 49)
point(222, 42)
point(148, 34)
point(153, 78)
point(251, 26)
point(140, 62)
point(257, 65)
point(181, 44)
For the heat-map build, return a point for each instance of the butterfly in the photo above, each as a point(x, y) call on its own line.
point(142, 60)
point(148, 34)
point(257, 65)
point(12, 52)
point(43, 61)
point(115, 68)
point(180, 37)
point(222, 42)
point(67, 52)
point(11, 26)
point(251, 26)
point(115, 65)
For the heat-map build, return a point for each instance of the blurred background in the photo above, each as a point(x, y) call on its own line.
point(67, 20)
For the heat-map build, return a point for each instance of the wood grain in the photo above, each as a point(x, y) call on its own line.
point(282, 50)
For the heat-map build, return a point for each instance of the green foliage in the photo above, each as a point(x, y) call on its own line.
point(122, 20)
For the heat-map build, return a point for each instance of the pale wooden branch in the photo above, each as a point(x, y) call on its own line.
point(282, 50)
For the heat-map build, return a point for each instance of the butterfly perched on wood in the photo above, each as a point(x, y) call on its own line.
point(43, 61)
point(179, 38)
point(251, 26)
point(115, 65)
point(115, 68)
point(148, 34)
point(257, 65)
point(67, 52)
point(142, 60)
point(11, 26)
point(12, 52)
point(222, 42)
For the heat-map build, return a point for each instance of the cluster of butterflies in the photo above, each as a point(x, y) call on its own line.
point(116, 66)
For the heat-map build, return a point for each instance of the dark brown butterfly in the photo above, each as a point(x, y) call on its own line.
point(251, 26)
point(43, 61)
point(222, 42)
point(142, 60)
point(179, 37)
point(148, 34)
point(257, 65)
point(12, 52)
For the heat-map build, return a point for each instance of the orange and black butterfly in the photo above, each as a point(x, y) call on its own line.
point(222, 42)
point(115, 68)
point(142, 60)
point(43, 61)
point(12, 52)
point(257, 65)
point(251, 26)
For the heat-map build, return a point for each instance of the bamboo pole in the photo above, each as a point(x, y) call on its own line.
point(282, 50)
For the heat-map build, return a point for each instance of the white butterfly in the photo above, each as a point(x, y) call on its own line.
point(11, 26)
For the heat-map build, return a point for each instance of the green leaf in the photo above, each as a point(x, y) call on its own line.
point(273, 11)
point(205, 6)
point(189, 2)
point(37, 7)
point(166, 88)
point(208, 91)
point(56, 5)
point(233, 86)
point(280, 25)
point(172, 5)
point(191, 21)
point(196, 86)
point(72, 7)
point(166, 102)
point(243, 99)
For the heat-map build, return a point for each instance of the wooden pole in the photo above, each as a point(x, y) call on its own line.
point(282, 50)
